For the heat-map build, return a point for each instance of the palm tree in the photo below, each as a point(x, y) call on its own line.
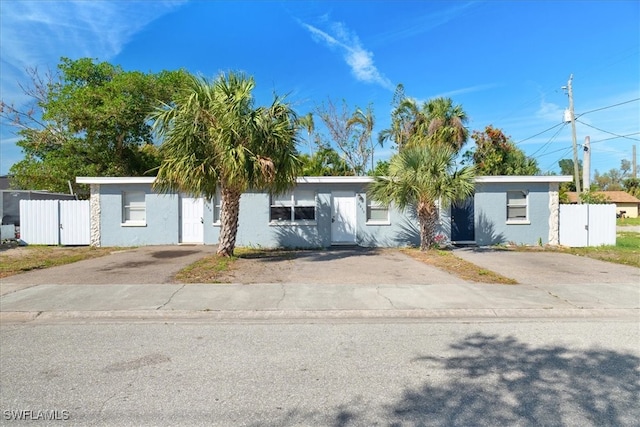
point(306, 123)
point(423, 176)
point(436, 121)
point(365, 121)
point(446, 122)
point(213, 137)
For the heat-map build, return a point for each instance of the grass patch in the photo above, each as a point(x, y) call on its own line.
point(626, 251)
point(15, 260)
point(447, 261)
point(628, 221)
point(214, 269)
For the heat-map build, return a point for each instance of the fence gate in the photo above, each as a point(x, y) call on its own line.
point(55, 222)
point(587, 225)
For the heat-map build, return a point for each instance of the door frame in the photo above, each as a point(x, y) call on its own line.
point(465, 211)
point(199, 239)
point(338, 216)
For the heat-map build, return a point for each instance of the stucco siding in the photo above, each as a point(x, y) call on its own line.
point(162, 218)
point(491, 225)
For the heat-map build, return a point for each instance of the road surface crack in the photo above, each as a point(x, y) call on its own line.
point(385, 297)
point(171, 297)
point(284, 294)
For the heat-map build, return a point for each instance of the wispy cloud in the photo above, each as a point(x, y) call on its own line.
point(470, 89)
point(360, 60)
point(38, 33)
point(427, 22)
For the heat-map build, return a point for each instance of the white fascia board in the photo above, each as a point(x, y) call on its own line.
point(115, 180)
point(334, 179)
point(520, 178)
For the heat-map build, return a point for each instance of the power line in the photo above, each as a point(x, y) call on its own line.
point(550, 140)
point(540, 133)
point(606, 131)
point(609, 106)
point(615, 137)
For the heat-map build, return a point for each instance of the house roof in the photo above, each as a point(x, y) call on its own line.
point(330, 179)
point(613, 196)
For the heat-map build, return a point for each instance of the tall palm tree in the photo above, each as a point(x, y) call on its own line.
point(306, 123)
point(437, 121)
point(446, 123)
point(365, 121)
point(213, 137)
point(423, 176)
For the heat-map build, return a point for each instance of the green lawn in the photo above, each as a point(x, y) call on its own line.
point(628, 221)
point(626, 251)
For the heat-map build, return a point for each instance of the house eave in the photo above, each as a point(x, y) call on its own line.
point(522, 179)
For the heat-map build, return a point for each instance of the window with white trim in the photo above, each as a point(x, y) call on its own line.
point(377, 213)
point(516, 206)
point(217, 207)
point(293, 206)
point(134, 210)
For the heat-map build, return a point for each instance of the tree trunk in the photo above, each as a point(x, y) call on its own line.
point(428, 219)
point(229, 212)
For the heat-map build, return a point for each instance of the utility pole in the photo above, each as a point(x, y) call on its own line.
point(635, 168)
point(586, 164)
point(572, 117)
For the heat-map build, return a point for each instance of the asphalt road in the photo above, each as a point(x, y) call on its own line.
point(403, 373)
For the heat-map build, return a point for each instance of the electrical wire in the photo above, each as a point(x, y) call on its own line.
point(615, 137)
point(550, 140)
point(606, 131)
point(609, 106)
point(540, 133)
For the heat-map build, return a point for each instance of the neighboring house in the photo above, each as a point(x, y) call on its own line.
point(625, 203)
point(321, 212)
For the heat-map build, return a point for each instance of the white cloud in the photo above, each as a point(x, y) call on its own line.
point(357, 57)
point(38, 33)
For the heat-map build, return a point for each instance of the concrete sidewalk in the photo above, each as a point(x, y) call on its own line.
point(313, 301)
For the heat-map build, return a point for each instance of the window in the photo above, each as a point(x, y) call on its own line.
point(299, 206)
point(377, 213)
point(516, 206)
point(134, 209)
point(217, 206)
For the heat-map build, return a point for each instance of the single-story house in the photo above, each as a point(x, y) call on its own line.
point(321, 212)
point(626, 204)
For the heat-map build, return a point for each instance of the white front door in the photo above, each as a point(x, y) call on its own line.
point(343, 217)
point(192, 210)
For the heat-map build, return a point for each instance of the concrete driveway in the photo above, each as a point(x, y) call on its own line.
point(536, 268)
point(144, 265)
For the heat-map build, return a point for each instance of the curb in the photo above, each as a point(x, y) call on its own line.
point(309, 315)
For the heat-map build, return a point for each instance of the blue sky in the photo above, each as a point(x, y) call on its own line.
point(505, 62)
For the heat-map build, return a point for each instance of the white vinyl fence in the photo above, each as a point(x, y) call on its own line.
point(587, 225)
point(55, 222)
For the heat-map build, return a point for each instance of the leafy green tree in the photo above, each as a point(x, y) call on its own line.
point(496, 154)
point(87, 119)
point(594, 198)
point(324, 162)
point(614, 180)
point(214, 137)
point(632, 186)
point(566, 168)
point(421, 176)
point(381, 168)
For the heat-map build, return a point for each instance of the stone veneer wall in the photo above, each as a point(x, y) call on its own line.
point(94, 204)
point(554, 214)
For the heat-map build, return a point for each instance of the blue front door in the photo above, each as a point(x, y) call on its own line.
point(462, 225)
